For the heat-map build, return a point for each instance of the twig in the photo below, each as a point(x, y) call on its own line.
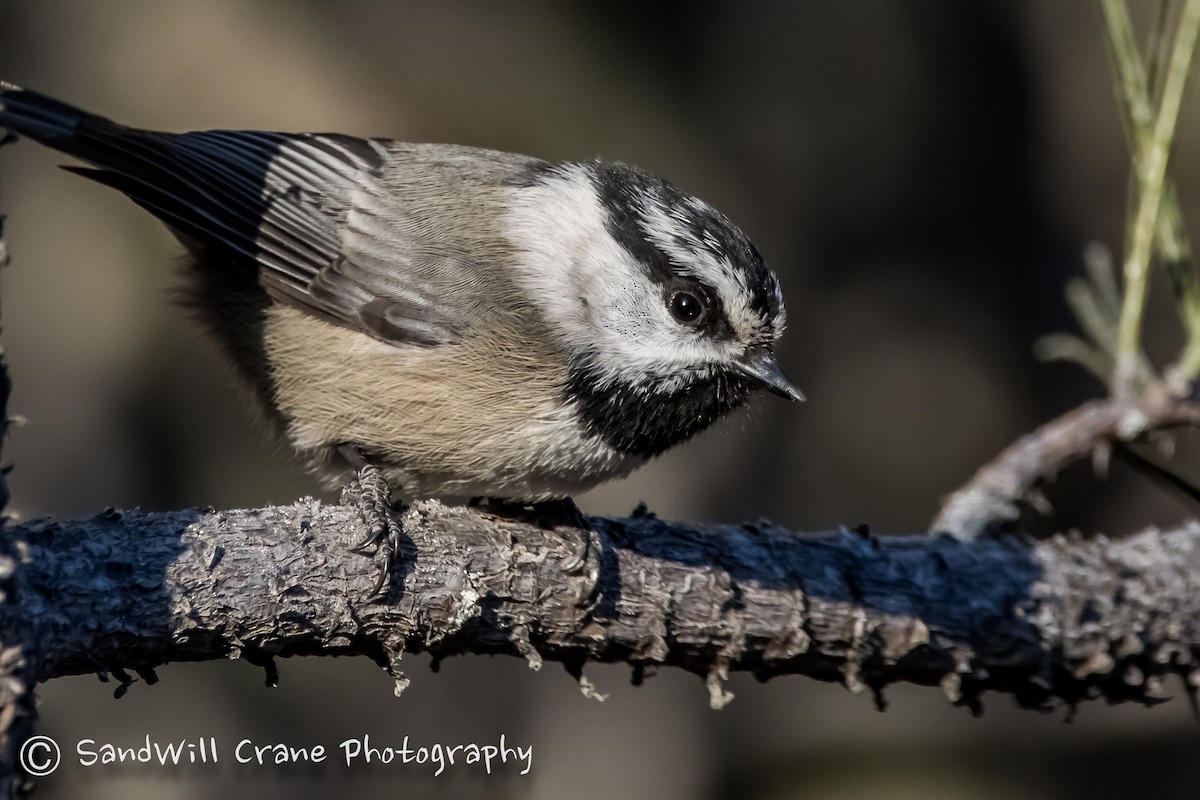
point(989, 500)
point(1136, 86)
point(17, 679)
point(1152, 155)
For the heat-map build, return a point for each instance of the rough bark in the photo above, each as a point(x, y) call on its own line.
point(1064, 619)
point(17, 678)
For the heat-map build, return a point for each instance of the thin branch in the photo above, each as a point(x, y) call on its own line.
point(1136, 87)
point(989, 501)
point(1156, 50)
point(17, 679)
point(1064, 619)
point(1152, 155)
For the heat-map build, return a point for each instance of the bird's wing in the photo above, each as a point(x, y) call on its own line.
point(307, 209)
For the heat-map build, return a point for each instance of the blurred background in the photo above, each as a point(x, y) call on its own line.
point(924, 176)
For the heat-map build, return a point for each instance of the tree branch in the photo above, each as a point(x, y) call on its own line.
point(17, 680)
point(1063, 619)
point(989, 500)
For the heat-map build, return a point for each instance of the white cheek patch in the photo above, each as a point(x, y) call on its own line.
point(590, 289)
point(558, 229)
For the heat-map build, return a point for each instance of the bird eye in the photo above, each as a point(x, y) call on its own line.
point(687, 308)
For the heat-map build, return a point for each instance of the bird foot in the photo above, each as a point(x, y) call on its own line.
point(385, 531)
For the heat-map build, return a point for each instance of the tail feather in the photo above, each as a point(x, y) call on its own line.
point(143, 155)
point(42, 118)
point(263, 200)
point(210, 186)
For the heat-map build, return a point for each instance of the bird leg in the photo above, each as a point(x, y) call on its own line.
point(384, 531)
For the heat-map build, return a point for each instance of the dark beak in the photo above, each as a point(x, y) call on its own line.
point(763, 368)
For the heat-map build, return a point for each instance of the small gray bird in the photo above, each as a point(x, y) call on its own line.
point(447, 320)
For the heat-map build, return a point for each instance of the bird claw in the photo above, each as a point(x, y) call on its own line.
point(384, 529)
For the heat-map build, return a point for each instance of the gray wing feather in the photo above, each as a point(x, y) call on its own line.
point(307, 209)
point(340, 248)
point(400, 284)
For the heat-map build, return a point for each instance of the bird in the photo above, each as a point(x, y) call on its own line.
point(445, 321)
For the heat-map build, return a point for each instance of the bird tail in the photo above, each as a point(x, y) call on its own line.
point(120, 151)
point(46, 120)
point(259, 196)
